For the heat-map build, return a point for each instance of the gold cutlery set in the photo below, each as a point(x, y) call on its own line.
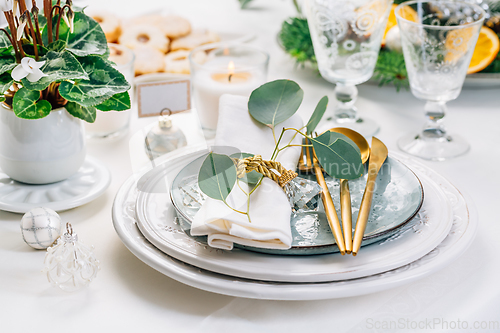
point(346, 242)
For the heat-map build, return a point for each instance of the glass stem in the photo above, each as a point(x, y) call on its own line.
point(346, 95)
point(435, 112)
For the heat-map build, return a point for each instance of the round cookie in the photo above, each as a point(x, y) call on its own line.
point(109, 23)
point(119, 54)
point(144, 35)
point(194, 39)
point(178, 62)
point(173, 26)
point(148, 60)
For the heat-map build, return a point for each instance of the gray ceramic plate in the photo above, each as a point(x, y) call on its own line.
point(398, 197)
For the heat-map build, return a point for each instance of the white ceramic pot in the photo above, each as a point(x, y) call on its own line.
point(41, 151)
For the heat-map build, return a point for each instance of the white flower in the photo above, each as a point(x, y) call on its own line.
point(6, 5)
point(68, 18)
point(28, 68)
point(22, 23)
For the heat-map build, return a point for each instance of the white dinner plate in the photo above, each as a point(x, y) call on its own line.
point(458, 239)
point(156, 220)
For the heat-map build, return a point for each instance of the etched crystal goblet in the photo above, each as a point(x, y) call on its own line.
point(346, 36)
point(437, 51)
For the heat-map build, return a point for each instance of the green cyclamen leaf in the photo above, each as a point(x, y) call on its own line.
point(252, 177)
point(5, 82)
point(217, 176)
point(87, 37)
point(26, 104)
point(29, 49)
point(104, 81)
point(57, 46)
point(85, 113)
point(118, 102)
point(338, 155)
point(58, 66)
point(317, 115)
point(4, 40)
point(7, 59)
point(275, 102)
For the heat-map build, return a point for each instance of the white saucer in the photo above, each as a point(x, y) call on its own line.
point(156, 220)
point(91, 180)
point(459, 238)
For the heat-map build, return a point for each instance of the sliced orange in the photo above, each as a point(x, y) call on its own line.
point(408, 14)
point(457, 43)
point(486, 50)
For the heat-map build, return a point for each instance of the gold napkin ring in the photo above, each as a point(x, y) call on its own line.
point(249, 164)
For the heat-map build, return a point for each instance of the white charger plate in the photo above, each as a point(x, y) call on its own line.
point(156, 220)
point(457, 241)
point(90, 181)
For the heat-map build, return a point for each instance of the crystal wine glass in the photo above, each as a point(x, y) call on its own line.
point(437, 50)
point(346, 36)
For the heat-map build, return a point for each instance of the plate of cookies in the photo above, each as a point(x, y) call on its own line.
point(161, 43)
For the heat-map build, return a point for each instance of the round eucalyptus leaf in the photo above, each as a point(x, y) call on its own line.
point(275, 102)
point(217, 176)
point(339, 156)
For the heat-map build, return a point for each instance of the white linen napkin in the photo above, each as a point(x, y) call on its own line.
point(269, 206)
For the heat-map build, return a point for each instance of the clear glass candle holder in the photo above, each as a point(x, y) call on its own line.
point(111, 124)
point(218, 70)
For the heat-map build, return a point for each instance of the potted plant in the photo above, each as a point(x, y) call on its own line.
point(54, 72)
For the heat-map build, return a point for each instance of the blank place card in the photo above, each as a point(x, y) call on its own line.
point(152, 97)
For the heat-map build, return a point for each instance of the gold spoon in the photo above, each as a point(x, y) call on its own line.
point(311, 163)
point(345, 195)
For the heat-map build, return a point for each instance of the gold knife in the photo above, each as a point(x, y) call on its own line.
point(378, 155)
point(331, 213)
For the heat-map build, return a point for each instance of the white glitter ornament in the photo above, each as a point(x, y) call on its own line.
point(70, 265)
point(41, 227)
point(393, 39)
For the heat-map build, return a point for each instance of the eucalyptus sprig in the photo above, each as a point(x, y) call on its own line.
point(271, 104)
point(57, 59)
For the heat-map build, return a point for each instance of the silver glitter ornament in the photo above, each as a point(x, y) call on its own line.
point(41, 227)
point(164, 137)
point(70, 265)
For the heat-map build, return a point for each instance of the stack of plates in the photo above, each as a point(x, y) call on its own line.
point(411, 236)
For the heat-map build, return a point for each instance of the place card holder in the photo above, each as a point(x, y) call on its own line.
point(153, 97)
point(163, 99)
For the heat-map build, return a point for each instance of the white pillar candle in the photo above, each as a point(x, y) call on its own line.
point(236, 70)
point(210, 86)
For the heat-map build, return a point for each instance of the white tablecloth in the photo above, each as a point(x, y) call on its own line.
point(128, 295)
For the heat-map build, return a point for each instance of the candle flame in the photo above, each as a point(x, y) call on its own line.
point(230, 67)
point(230, 70)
